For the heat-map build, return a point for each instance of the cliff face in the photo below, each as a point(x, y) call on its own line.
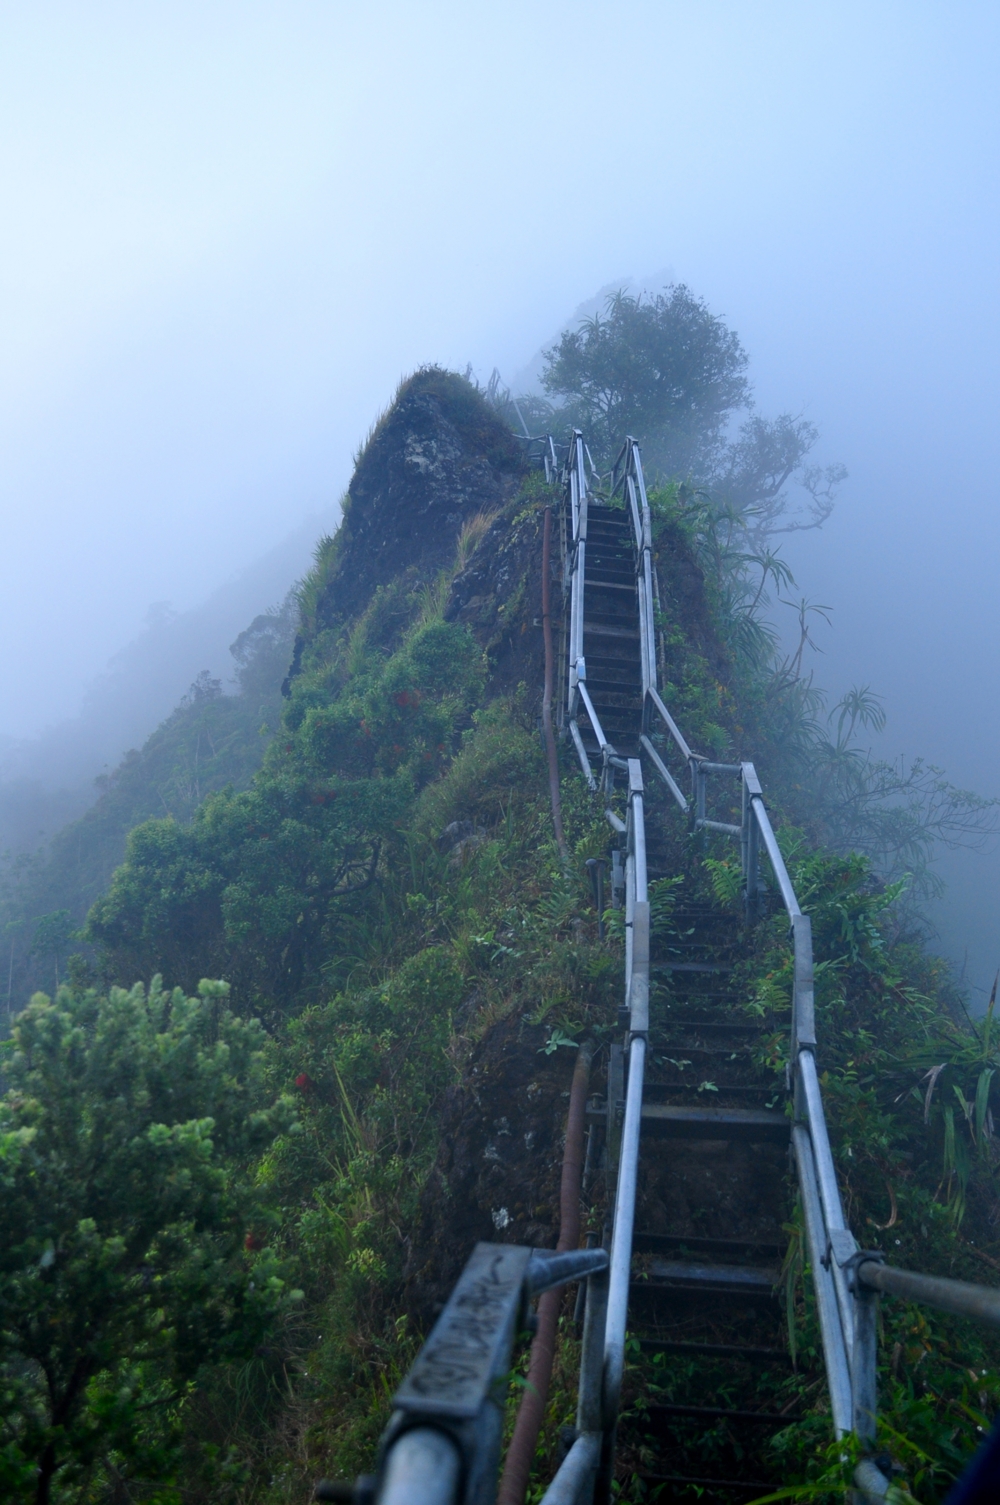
point(437, 458)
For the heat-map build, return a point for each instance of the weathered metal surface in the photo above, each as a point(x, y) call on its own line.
point(689, 1275)
point(422, 1468)
point(958, 1296)
point(457, 1365)
point(666, 1120)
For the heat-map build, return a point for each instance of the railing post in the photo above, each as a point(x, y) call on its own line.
point(616, 1110)
point(750, 843)
point(864, 1361)
point(589, 1405)
point(803, 997)
point(577, 481)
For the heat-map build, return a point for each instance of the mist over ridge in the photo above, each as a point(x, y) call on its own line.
point(50, 779)
point(232, 232)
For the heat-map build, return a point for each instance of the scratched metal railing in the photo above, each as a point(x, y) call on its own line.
point(443, 1443)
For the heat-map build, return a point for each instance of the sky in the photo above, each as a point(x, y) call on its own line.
point(228, 230)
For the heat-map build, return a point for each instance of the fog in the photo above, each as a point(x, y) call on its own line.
point(229, 229)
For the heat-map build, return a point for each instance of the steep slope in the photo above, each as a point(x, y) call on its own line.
point(386, 893)
point(211, 741)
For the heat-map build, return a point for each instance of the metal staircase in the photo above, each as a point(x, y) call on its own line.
point(611, 631)
point(708, 1240)
point(696, 1135)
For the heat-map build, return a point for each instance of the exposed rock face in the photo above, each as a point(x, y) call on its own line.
point(682, 594)
point(438, 457)
point(499, 598)
point(497, 1174)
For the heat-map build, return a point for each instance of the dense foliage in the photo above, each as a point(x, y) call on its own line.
point(127, 1138)
point(673, 375)
point(211, 741)
point(385, 893)
point(897, 813)
point(259, 887)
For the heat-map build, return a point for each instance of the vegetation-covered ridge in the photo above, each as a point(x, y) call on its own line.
point(385, 895)
point(211, 741)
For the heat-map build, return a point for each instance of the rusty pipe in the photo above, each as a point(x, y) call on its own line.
point(531, 1412)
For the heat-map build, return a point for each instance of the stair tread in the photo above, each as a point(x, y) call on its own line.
point(695, 1024)
point(696, 1273)
point(717, 1350)
point(747, 1486)
point(714, 1123)
point(772, 1418)
point(750, 1117)
point(691, 966)
point(763, 1089)
point(700, 1244)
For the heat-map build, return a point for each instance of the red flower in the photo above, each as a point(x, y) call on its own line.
point(304, 1082)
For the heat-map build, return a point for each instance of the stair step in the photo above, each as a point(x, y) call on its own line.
point(708, 1053)
point(695, 1024)
point(722, 1088)
point(647, 1243)
point(717, 1350)
point(626, 686)
point(736, 1486)
point(717, 1413)
point(603, 601)
point(609, 632)
point(691, 966)
point(670, 1122)
point(691, 1275)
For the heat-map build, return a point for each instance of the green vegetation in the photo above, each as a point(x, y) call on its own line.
point(383, 891)
point(732, 689)
point(907, 1080)
point(211, 741)
point(670, 373)
point(127, 1141)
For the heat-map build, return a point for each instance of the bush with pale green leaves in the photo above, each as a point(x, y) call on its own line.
point(132, 1255)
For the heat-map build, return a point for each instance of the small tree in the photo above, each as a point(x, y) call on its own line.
point(673, 375)
point(125, 1145)
point(665, 370)
point(53, 935)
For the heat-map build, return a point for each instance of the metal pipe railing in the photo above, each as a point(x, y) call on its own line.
point(588, 704)
point(422, 1469)
point(621, 1242)
point(577, 486)
point(442, 1445)
point(670, 724)
point(574, 1480)
point(664, 772)
point(846, 1303)
point(960, 1297)
point(838, 1367)
point(773, 851)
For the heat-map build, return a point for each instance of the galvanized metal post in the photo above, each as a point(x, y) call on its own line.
point(864, 1362)
point(588, 1411)
point(422, 1468)
point(803, 1003)
point(750, 842)
point(616, 1108)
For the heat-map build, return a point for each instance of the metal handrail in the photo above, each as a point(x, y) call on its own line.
point(844, 1277)
point(442, 1445)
